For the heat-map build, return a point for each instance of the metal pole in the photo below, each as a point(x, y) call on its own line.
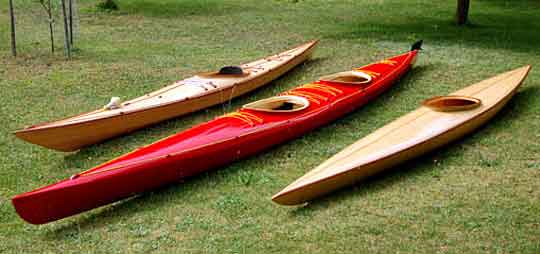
point(66, 32)
point(13, 43)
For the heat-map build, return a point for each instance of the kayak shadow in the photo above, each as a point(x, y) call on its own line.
point(429, 165)
point(105, 217)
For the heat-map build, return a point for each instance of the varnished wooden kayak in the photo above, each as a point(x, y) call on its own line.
point(439, 121)
point(182, 97)
point(250, 130)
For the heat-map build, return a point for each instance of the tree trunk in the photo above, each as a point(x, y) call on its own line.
point(66, 31)
point(12, 16)
point(462, 12)
point(51, 26)
point(51, 33)
point(71, 22)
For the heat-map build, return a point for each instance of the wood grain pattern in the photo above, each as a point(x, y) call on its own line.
point(178, 99)
point(405, 138)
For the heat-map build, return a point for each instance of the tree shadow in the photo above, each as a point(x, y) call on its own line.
point(517, 109)
point(175, 8)
point(491, 29)
point(511, 3)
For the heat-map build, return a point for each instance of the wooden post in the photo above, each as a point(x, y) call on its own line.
point(12, 16)
point(66, 31)
point(462, 12)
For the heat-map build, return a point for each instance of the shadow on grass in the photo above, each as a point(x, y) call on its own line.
point(492, 28)
point(511, 3)
point(113, 213)
point(517, 109)
point(172, 8)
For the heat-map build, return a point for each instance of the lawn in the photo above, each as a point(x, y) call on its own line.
point(478, 195)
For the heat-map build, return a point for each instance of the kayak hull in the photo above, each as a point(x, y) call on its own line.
point(359, 161)
point(72, 134)
point(203, 147)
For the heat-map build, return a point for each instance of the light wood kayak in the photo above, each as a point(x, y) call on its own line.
point(439, 121)
point(183, 97)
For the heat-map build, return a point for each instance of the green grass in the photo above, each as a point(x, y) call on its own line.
point(478, 195)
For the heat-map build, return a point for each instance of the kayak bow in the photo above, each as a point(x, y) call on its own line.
point(252, 129)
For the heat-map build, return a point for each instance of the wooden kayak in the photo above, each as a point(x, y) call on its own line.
point(440, 120)
point(185, 96)
point(252, 129)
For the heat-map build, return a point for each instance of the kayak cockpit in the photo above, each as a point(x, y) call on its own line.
point(226, 72)
point(348, 77)
point(283, 103)
point(451, 103)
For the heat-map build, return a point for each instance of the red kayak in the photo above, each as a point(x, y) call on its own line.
point(252, 129)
